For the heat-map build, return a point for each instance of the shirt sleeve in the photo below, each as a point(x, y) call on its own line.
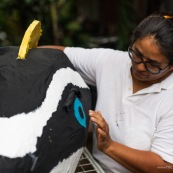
point(163, 137)
point(88, 62)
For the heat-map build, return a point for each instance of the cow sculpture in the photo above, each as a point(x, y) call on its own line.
point(44, 107)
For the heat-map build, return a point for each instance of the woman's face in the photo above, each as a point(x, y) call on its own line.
point(150, 52)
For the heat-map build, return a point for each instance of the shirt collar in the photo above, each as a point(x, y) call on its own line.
point(166, 84)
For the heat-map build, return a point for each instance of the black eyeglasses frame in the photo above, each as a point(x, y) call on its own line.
point(160, 70)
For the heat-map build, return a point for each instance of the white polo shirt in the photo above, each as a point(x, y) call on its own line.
point(143, 120)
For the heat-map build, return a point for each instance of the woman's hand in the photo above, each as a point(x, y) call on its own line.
point(135, 160)
point(102, 130)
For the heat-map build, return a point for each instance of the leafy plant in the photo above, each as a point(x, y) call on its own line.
point(59, 20)
point(126, 22)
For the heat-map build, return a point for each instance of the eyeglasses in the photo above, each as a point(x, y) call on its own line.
point(149, 65)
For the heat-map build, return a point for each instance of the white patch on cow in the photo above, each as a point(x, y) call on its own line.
point(68, 165)
point(18, 134)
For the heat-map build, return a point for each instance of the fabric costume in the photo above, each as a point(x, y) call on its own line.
point(44, 107)
point(143, 120)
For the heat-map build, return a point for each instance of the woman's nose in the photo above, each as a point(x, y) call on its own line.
point(140, 67)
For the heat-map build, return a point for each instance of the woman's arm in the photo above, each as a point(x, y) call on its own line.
point(53, 47)
point(135, 160)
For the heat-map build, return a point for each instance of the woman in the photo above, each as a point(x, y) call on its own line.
point(133, 121)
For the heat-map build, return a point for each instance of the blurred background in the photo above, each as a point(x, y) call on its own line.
point(85, 23)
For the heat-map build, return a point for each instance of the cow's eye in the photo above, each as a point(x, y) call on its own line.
point(79, 112)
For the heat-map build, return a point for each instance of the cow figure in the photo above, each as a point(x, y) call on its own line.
point(44, 106)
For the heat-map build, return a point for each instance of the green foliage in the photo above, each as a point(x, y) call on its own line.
point(126, 24)
point(59, 19)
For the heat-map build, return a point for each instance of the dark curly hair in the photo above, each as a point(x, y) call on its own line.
point(160, 26)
